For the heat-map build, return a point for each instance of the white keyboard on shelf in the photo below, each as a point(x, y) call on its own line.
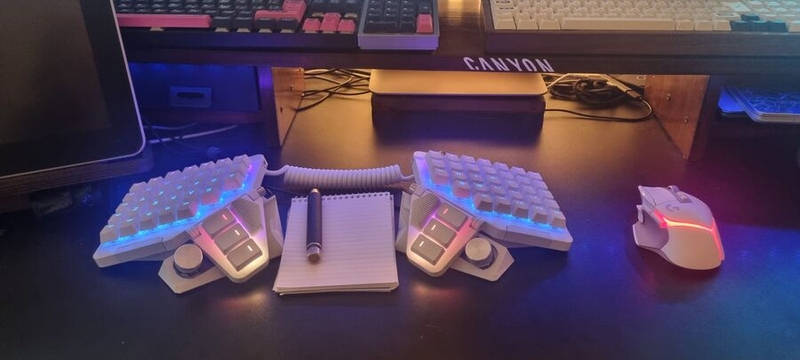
point(642, 15)
point(514, 205)
point(154, 216)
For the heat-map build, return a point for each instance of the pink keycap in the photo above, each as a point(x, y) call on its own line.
point(424, 24)
point(311, 25)
point(330, 22)
point(164, 20)
point(294, 5)
point(291, 10)
point(347, 26)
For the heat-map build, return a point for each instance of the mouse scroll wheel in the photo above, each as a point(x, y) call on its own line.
point(679, 195)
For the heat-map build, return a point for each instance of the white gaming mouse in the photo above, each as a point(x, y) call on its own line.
point(679, 227)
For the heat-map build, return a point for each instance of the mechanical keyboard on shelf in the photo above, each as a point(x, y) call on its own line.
point(682, 27)
point(515, 205)
point(399, 24)
point(299, 24)
point(773, 100)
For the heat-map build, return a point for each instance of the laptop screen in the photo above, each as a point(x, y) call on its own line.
point(65, 95)
point(47, 75)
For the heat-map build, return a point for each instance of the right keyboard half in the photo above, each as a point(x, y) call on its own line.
point(642, 27)
point(515, 204)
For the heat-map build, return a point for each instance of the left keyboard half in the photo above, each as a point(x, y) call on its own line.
point(154, 216)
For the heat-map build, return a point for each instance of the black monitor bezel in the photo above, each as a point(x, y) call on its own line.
point(122, 138)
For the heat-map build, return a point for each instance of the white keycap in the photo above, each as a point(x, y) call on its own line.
point(585, 23)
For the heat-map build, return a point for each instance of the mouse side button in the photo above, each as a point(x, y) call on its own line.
point(656, 195)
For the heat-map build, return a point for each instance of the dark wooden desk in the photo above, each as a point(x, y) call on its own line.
point(605, 298)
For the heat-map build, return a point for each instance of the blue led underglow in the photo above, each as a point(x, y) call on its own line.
point(486, 215)
point(202, 212)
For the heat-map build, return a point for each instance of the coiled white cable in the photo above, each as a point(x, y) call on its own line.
point(306, 178)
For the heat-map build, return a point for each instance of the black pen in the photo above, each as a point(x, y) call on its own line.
point(314, 226)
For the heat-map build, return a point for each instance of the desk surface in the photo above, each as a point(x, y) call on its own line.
point(605, 298)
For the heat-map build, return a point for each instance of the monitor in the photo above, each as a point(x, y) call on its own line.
point(65, 92)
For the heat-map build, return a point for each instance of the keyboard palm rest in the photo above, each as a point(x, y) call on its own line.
point(437, 232)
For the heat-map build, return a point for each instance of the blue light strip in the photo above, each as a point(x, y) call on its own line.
point(468, 204)
point(202, 211)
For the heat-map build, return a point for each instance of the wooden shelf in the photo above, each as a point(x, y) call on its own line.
point(463, 42)
point(463, 46)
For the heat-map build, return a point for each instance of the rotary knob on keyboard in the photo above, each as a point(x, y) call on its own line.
point(480, 252)
point(187, 259)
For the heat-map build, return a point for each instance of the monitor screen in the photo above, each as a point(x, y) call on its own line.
point(65, 94)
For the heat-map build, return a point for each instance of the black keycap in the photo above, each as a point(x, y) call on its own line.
point(264, 24)
point(750, 17)
point(352, 6)
point(424, 8)
point(318, 6)
point(286, 24)
point(380, 27)
point(408, 27)
point(777, 26)
point(740, 25)
point(759, 25)
point(391, 14)
point(242, 22)
point(221, 21)
point(335, 6)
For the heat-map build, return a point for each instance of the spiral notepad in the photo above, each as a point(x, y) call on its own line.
point(357, 246)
